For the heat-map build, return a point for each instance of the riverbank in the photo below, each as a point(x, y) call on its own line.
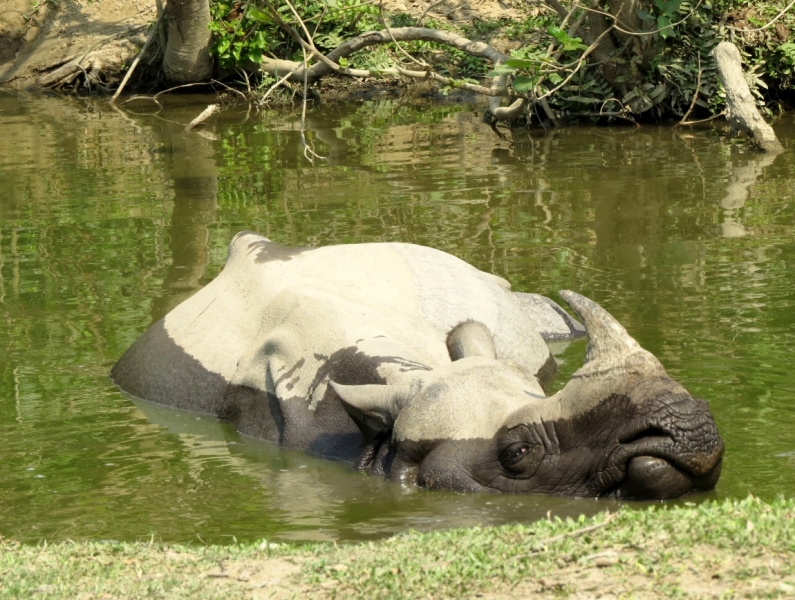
point(726, 549)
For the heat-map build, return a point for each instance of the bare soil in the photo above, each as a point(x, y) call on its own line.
point(42, 42)
point(63, 43)
point(607, 575)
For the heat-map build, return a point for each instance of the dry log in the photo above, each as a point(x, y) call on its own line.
point(741, 108)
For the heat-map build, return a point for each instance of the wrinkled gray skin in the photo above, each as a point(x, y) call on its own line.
point(411, 364)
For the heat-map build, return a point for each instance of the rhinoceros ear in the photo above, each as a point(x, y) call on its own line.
point(373, 407)
point(470, 338)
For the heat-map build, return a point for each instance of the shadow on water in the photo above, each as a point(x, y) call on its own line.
point(109, 220)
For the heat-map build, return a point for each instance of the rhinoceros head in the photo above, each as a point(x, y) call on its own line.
point(621, 427)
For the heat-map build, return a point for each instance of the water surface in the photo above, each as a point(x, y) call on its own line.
point(109, 218)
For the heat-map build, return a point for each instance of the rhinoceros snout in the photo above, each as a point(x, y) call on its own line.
point(653, 478)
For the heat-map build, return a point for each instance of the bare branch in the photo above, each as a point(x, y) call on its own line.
point(328, 63)
point(422, 63)
point(580, 62)
point(695, 95)
point(281, 81)
point(712, 118)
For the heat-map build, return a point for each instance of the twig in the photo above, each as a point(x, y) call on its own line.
point(712, 118)
point(272, 88)
point(615, 114)
point(154, 98)
point(421, 63)
point(425, 12)
point(231, 89)
point(205, 114)
point(580, 62)
point(695, 95)
point(309, 154)
point(85, 76)
point(561, 10)
point(308, 44)
point(152, 34)
point(563, 24)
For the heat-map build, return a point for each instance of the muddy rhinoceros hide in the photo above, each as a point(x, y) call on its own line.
point(412, 364)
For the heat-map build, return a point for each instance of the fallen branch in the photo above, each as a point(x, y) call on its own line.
point(328, 62)
point(205, 114)
point(740, 105)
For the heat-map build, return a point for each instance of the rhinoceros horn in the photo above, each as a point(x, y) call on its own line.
point(610, 347)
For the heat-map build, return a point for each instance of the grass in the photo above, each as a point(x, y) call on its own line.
point(721, 549)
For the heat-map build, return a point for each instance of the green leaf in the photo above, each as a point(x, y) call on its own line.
point(520, 63)
point(258, 15)
point(557, 33)
point(500, 70)
point(668, 8)
point(664, 25)
point(254, 55)
point(568, 43)
point(645, 16)
point(522, 83)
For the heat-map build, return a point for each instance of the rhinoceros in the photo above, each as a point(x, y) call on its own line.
point(409, 363)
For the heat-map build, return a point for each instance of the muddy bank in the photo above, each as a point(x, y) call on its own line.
point(51, 45)
point(67, 44)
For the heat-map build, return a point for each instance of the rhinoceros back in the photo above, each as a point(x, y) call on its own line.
point(188, 357)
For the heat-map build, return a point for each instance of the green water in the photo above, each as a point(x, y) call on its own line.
point(109, 218)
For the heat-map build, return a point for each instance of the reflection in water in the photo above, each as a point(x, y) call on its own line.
point(741, 178)
point(306, 491)
point(190, 163)
point(109, 220)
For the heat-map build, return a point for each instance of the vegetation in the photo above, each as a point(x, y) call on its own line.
point(729, 549)
point(567, 62)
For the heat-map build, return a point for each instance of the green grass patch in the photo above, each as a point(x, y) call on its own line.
point(722, 549)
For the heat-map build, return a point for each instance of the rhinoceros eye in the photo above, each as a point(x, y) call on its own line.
point(514, 453)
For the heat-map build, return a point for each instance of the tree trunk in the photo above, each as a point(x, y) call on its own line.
point(741, 107)
point(187, 57)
